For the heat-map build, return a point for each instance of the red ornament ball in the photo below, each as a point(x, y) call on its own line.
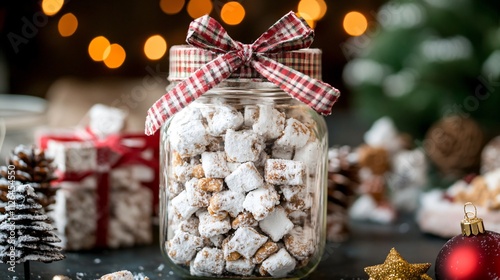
point(470, 257)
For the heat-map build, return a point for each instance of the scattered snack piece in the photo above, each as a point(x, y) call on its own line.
point(119, 275)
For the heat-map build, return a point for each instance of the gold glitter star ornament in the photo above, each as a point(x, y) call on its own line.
point(397, 268)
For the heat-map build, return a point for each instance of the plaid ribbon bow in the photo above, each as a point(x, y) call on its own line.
point(287, 34)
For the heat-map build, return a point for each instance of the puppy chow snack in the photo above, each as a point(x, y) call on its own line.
point(246, 241)
point(183, 246)
point(265, 251)
point(282, 152)
point(195, 196)
point(245, 219)
point(295, 197)
point(295, 135)
point(210, 184)
point(209, 260)
point(241, 266)
point(278, 265)
point(269, 123)
point(247, 195)
point(182, 207)
point(308, 154)
point(210, 226)
point(214, 164)
point(227, 201)
point(299, 242)
point(250, 115)
point(276, 224)
point(282, 172)
point(243, 146)
point(221, 118)
point(189, 139)
point(244, 178)
point(261, 202)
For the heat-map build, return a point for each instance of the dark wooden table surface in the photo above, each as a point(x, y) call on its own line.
point(369, 245)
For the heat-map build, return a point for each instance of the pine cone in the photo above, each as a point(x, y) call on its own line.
point(454, 144)
point(29, 166)
point(343, 181)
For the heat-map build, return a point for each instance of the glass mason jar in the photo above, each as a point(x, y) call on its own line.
point(243, 187)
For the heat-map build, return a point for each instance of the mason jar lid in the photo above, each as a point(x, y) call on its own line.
point(185, 59)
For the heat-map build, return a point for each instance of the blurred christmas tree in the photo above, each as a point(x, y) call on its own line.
point(428, 59)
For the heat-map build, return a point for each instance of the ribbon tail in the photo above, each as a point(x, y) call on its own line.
point(188, 90)
point(287, 34)
point(318, 95)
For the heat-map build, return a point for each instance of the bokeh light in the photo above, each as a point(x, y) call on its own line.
point(308, 20)
point(198, 8)
point(232, 13)
point(51, 7)
point(67, 25)
point(155, 47)
point(115, 56)
point(355, 23)
point(97, 48)
point(312, 9)
point(171, 7)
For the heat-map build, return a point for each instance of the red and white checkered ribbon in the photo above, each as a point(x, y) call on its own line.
point(287, 34)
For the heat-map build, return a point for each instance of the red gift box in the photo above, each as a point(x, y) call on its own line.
point(80, 154)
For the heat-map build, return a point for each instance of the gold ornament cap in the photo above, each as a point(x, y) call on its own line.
point(471, 224)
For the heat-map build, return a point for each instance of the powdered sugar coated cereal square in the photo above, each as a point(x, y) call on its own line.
point(295, 134)
point(183, 246)
point(214, 164)
point(282, 172)
point(270, 122)
point(209, 260)
point(245, 178)
point(182, 207)
point(246, 241)
point(276, 224)
point(243, 146)
point(261, 202)
point(278, 265)
point(210, 226)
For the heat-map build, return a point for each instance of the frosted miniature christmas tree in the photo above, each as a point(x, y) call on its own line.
point(26, 234)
